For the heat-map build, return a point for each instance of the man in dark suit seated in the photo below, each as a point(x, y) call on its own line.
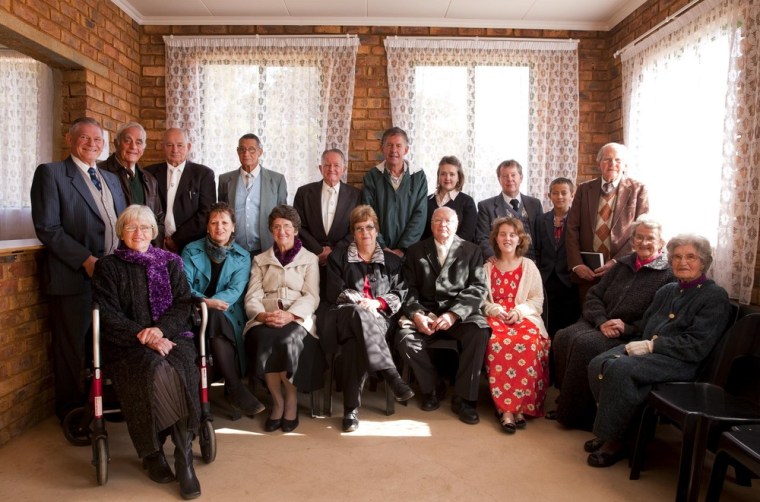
point(601, 216)
point(510, 202)
point(446, 284)
point(74, 209)
point(139, 186)
point(186, 190)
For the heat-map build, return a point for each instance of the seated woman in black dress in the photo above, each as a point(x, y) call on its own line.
point(147, 347)
point(280, 338)
point(218, 269)
point(449, 194)
point(365, 287)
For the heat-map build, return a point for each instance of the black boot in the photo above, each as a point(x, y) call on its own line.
point(241, 397)
point(189, 486)
point(401, 390)
point(157, 467)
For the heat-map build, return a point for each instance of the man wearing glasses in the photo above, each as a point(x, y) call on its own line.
point(252, 191)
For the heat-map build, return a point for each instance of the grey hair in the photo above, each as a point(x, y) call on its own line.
point(701, 245)
point(334, 150)
point(129, 125)
point(136, 213)
point(646, 221)
point(619, 147)
point(82, 121)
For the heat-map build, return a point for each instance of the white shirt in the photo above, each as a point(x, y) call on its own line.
point(507, 199)
point(443, 248)
point(443, 200)
point(173, 175)
point(329, 204)
point(252, 175)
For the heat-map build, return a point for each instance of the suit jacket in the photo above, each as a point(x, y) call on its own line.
point(67, 221)
point(632, 201)
point(551, 257)
point(195, 195)
point(459, 286)
point(308, 203)
point(467, 214)
point(274, 192)
point(497, 207)
point(150, 187)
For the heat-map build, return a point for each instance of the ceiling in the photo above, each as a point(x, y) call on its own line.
point(518, 14)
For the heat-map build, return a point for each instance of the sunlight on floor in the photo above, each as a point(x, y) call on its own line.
point(391, 428)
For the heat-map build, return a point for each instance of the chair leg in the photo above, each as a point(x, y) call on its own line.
point(329, 387)
point(316, 408)
point(390, 400)
point(646, 428)
point(689, 431)
point(717, 477)
point(743, 475)
point(697, 460)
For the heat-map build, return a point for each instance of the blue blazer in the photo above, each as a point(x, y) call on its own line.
point(67, 221)
point(231, 286)
point(274, 192)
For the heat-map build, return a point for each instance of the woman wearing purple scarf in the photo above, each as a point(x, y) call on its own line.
point(148, 350)
point(280, 339)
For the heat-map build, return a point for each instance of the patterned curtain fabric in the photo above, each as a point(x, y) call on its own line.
point(551, 126)
point(690, 95)
point(26, 107)
point(295, 93)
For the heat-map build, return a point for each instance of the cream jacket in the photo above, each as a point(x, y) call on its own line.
point(295, 285)
point(529, 300)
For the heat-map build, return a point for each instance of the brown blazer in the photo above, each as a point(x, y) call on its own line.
point(632, 201)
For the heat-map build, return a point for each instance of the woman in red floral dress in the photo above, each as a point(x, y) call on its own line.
point(518, 352)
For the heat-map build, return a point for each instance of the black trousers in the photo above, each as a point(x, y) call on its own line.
point(472, 341)
point(361, 335)
point(71, 324)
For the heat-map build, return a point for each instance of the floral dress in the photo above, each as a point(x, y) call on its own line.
point(517, 359)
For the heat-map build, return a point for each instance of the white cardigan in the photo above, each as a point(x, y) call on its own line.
point(296, 285)
point(529, 300)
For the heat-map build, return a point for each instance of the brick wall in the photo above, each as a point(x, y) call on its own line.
point(371, 111)
point(26, 380)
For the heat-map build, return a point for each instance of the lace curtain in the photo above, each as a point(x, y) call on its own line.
point(295, 93)
point(690, 95)
point(26, 104)
point(446, 117)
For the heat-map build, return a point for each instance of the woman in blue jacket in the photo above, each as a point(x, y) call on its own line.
point(218, 269)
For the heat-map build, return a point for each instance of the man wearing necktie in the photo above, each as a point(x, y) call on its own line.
point(139, 186)
point(186, 191)
point(74, 209)
point(601, 216)
point(252, 191)
point(510, 202)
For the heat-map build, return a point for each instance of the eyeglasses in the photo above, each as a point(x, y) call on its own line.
point(441, 221)
point(144, 229)
point(689, 258)
point(251, 149)
point(641, 238)
point(365, 228)
point(286, 227)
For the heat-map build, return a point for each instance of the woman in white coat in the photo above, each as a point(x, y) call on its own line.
point(517, 357)
point(282, 296)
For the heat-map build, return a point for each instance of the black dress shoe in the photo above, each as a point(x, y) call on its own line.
point(158, 468)
point(592, 445)
point(289, 425)
point(520, 423)
point(464, 410)
point(430, 402)
point(401, 391)
point(272, 424)
point(350, 420)
point(551, 415)
point(605, 459)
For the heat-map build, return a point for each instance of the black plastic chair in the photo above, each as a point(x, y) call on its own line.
point(390, 400)
point(739, 447)
point(727, 394)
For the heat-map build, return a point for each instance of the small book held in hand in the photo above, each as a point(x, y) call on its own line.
point(592, 260)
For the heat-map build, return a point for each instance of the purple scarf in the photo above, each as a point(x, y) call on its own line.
point(693, 284)
point(290, 254)
point(155, 261)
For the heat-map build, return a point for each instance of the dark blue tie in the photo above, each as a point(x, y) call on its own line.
point(515, 205)
point(94, 178)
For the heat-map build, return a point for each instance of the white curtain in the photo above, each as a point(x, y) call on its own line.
point(486, 101)
point(295, 93)
point(26, 105)
point(690, 101)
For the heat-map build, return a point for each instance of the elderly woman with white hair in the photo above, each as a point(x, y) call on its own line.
point(148, 350)
point(610, 315)
point(681, 327)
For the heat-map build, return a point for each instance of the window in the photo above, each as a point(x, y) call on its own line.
point(487, 101)
point(295, 93)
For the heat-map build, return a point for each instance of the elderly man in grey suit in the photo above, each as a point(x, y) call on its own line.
point(510, 202)
point(444, 274)
point(74, 208)
point(253, 192)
